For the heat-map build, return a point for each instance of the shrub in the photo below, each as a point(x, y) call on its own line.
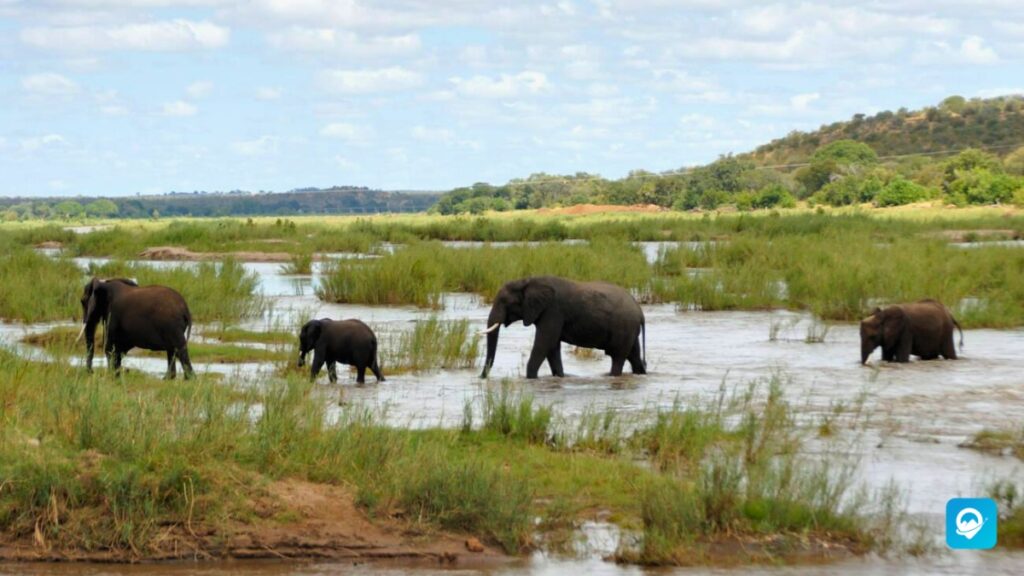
point(900, 191)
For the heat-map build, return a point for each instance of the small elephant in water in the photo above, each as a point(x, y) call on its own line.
point(923, 328)
point(347, 341)
point(586, 314)
point(147, 317)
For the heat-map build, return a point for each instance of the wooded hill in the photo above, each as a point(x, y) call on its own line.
point(993, 124)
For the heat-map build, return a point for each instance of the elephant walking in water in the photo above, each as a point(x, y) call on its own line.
point(347, 341)
point(147, 317)
point(923, 328)
point(586, 314)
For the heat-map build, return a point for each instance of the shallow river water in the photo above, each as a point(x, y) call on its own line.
point(917, 413)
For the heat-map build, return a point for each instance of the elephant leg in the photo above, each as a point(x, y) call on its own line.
point(376, 371)
point(316, 366)
point(332, 372)
point(186, 362)
point(88, 357)
point(636, 361)
point(617, 363)
point(361, 374)
point(544, 340)
point(903, 349)
point(117, 355)
point(171, 368)
point(555, 361)
point(949, 348)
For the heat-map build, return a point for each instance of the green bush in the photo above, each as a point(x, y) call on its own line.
point(982, 186)
point(900, 191)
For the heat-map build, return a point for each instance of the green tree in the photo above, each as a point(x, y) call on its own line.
point(955, 104)
point(901, 191)
point(68, 209)
point(969, 160)
point(101, 208)
point(835, 160)
point(1014, 162)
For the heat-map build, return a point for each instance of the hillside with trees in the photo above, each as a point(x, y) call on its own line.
point(961, 152)
point(336, 200)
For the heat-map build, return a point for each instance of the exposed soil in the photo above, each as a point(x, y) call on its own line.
point(977, 235)
point(600, 208)
point(179, 253)
point(50, 245)
point(293, 520)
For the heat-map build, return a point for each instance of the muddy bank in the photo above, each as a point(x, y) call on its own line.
point(179, 253)
point(290, 519)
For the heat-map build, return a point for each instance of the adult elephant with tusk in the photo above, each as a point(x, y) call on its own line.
point(586, 314)
point(148, 317)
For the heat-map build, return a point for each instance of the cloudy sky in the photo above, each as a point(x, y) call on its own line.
point(129, 96)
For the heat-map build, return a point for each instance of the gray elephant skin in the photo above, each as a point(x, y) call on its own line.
point(147, 317)
point(586, 314)
point(923, 329)
point(346, 341)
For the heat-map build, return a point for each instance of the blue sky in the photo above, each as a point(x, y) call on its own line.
point(119, 97)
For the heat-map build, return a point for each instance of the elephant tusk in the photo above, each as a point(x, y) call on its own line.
point(80, 332)
point(490, 329)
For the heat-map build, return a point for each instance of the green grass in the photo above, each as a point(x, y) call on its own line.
point(61, 341)
point(1008, 497)
point(998, 441)
point(38, 288)
point(88, 465)
point(300, 264)
point(216, 292)
point(421, 273)
point(431, 344)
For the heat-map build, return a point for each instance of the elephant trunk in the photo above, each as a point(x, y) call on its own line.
point(494, 320)
point(866, 348)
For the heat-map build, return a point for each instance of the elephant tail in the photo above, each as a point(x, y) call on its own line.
point(957, 324)
point(188, 325)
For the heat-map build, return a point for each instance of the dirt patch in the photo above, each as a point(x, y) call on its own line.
point(976, 235)
point(50, 245)
point(179, 253)
point(582, 209)
point(293, 519)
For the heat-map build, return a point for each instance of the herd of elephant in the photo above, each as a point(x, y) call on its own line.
point(585, 314)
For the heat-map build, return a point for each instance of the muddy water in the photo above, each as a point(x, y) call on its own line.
point(918, 412)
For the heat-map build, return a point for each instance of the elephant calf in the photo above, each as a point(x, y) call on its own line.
point(347, 341)
point(586, 314)
point(923, 328)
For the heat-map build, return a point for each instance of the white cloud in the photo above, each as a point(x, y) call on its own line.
point(49, 84)
point(434, 135)
point(697, 122)
point(993, 92)
point(972, 50)
point(167, 35)
point(503, 86)
point(345, 163)
point(367, 81)
point(178, 108)
point(346, 131)
point(257, 147)
point(37, 142)
point(800, 102)
point(302, 39)
point(268, 93)
point(199, 89)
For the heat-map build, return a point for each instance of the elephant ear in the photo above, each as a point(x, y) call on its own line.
point(97, 296)
point(894, 325)
point(537, 297)
point(316, 327)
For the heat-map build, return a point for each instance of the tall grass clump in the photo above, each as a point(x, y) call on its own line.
point(37, 288)
point(432, 344)
point(514, 414)
point(215, 291)
point(421, 273)
point(301, 263)
point(733, 468)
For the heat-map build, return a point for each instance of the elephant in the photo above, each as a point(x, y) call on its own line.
point(147, 317)
point(586, 314)
point(347, 341)
point(923, 328)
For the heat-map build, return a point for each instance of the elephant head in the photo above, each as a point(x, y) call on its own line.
point(525, 300)
point(308, 337)
point(882, 328)
point(96, 303)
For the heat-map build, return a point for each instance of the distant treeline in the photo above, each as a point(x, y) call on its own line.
point(960, 152)
point(337, 200)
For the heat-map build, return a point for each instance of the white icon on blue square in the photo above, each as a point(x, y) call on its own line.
point(971, 523)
